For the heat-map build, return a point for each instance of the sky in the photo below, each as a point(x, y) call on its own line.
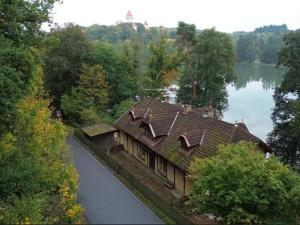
point(224, 15)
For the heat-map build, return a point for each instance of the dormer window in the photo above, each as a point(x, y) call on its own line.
point(184, 146)
point(188, 141)
point(137, 113)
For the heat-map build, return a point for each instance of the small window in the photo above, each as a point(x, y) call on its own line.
point(116, 136)
point(141, 153)
point(184, 147)
point(162, 166)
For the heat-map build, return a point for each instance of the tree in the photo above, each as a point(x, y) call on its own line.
point(19, 33)
point(285, 137)
point(247, 48)
point(16, 71)
point(123, 107)
point(38, 185)
point(90, 94)
point(120, 71)
point(239, 185)
point(93, 84)
point(162, 69)
point(21, 20)
point(68, 48)
point(212, 65)
point(269, 48)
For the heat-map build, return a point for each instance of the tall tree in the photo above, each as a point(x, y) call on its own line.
point(212, 65)
point(285, 137)
point(21, 20)
point(247, 48)
point(91, 93)
point(67, 50)
point(120, 67)
point(20, 23)
point(162, 69)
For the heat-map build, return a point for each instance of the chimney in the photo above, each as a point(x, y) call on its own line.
point(211, 113)
point(187, 109)
point(167, 98)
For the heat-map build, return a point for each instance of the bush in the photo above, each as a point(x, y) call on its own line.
point(239, 185)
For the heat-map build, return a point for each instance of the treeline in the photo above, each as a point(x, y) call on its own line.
point(38, 181)
point(261, 45)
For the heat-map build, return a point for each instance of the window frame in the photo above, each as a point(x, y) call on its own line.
point(162, 166)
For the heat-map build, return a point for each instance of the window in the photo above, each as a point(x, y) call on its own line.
point(116, 136)
point(184, 147)
point(162, 166)
point(141, 153)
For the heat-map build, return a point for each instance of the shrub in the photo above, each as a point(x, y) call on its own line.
point(239, 185)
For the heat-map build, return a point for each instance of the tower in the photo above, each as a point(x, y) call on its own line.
point(129, 17)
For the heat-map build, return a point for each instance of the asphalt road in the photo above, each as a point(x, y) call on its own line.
point(105, 199)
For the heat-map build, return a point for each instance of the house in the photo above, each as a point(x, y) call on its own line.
point(166, 137)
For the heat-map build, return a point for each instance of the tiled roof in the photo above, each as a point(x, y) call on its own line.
point(169, 122)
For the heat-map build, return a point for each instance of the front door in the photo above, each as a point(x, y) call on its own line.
point(152, 160)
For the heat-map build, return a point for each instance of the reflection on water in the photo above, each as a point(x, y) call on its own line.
point(268, 75)
point(250, 97)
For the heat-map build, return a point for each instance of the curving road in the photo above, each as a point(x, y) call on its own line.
point(105, 199)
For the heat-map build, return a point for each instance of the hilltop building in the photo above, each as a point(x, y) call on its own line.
point(130, 20)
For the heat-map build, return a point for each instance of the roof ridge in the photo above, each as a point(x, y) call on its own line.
point(173, 123)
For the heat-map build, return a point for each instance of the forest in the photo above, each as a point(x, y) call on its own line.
point(260, 45)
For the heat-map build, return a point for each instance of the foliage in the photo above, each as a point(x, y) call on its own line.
point(247, 48)
point(93, 84)
point(68, 48)
point(285, 137)
point(261, 45)
point(162, 69)
point(239, 185)
point(21, 20)
point(272, 29)
point(91, 95)
point(208, 70)
point(16, 70)
point(120, 71)
point(19, 35)
point(34, 168)
point(123, 107)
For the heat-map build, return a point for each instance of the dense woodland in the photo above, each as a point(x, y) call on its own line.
point(94, 74)
point(38, 182)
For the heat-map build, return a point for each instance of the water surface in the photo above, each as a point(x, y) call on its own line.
point(251, 97)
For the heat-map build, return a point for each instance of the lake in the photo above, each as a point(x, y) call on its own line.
point(251, 97)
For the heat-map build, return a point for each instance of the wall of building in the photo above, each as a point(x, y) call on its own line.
point(171, 173)
point(132, 147)
point(174, 175)
point(104, 139)
point(179, 181)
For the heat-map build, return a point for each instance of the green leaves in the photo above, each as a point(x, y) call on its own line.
point(207, 70)
point(285, 137)
point(68, 49)
point(240, 186)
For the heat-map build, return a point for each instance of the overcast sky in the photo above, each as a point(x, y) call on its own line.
point(225, 15)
